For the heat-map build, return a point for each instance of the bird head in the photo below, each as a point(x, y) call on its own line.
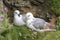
point(29, 15)
point(17, 12)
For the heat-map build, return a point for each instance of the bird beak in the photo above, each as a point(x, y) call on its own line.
point(19, 15)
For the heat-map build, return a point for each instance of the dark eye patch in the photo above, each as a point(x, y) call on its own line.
point(15, 12)
point(28, 15)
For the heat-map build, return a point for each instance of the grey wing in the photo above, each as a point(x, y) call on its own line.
point(24, 17)
point(38, 23)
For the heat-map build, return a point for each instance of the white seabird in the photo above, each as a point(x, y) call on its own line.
point(18, 18)
point(37, 24)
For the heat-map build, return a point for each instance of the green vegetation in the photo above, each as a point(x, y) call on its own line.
point(55, 5)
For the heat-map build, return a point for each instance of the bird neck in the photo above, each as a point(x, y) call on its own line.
point(29, 21)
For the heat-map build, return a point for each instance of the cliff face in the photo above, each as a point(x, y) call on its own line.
point(39, 8)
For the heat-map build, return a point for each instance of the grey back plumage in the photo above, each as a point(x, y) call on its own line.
point(24, 17)
point(38, 23)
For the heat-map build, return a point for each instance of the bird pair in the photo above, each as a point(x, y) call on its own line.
point(33, 23)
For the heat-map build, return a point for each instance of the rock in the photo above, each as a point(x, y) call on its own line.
point(39, 8)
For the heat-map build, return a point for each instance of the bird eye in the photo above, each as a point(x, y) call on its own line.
point(28, 15)
point(15, 12)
